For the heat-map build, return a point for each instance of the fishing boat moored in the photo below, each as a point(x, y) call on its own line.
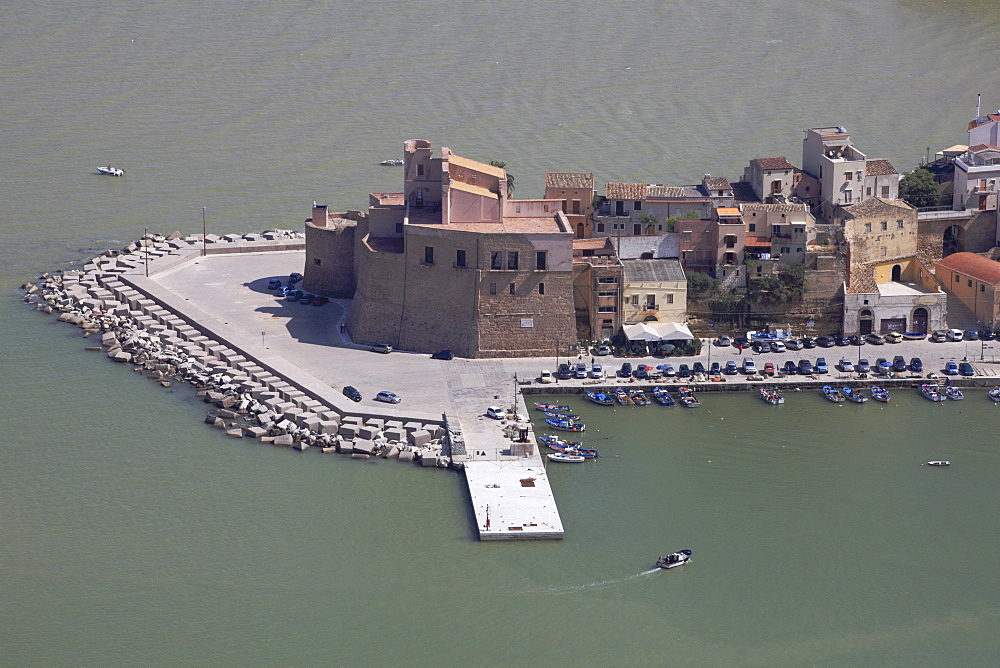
point(853, 394)
point(623, 397)
point(688, 397)
point(931, 391)
point(565, 425)
point(953, 393)
point(550, 407)
point(662, 397)
point(563, 457)
point(879, 393)
point(994, 394)
point(771, 396)
point(832, 394)
point(939, 462)
point(639, 398)
point(600, 398)
point(561, 416)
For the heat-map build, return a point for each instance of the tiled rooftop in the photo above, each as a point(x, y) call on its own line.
point(873, 204)
point(780, 162)
point(475, 165)
point(642, 271)
point(879, 167)
point(717, 183)
point(976, 266)
point(542, 225)
point(635, 191)
point(780, 208)
point(569, 180)
point(976, 122)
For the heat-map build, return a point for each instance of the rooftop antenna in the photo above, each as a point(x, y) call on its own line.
point(979, 99)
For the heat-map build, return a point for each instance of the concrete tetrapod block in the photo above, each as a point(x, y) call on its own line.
point(364, 446)
point(419, 438)
point(411, 427)
point(348, 431)
point(377, 423)
point(328, 427)
point(309, 421)
point(407, 456)
point(394, 434)
point(368, 432)
point(351, 419)
point(284, 440)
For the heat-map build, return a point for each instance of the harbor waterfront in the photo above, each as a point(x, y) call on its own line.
point(133, 533)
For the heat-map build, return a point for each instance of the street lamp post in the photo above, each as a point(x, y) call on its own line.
point(145, 243)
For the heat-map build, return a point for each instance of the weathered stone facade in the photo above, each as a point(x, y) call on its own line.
point(329, 267)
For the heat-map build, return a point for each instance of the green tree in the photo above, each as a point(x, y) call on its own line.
point(510, 179)
point(918, 188)
point(700, 284)
point(649, 222)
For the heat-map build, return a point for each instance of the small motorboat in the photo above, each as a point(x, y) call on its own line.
point(565, 425)
point(623, 397)
point(639, 398)
point(560, 416)
point(853, 394)
point(994, 394)
point(600, 398)
point(662, 397)
point(563, 457)
point(395, 162)
point(688, 398)
point(557, 443)
point(931, 391)
point(550, 407)
point(832, 394)
point(771, 396)
point(879, 393)
point(939, 462)
point(953, 393)
point(573, 449)
point(111, 171)
point(674, 560)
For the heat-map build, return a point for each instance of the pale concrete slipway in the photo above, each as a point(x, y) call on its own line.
point(134, 534)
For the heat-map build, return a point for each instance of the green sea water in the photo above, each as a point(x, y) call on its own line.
point(133, 533)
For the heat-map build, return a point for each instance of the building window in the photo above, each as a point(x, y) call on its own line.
point(885, 225)
point(541, 288)
point(637, 205)
point(753, 227)
point(868, 192)
point(670, 298)
point(885, 192)
point(541, 260)
point(517, 208)
point(420, 169)
point(798, 250)
point(493, 288)
point(565, 206)
point(428, 254)
point(619, 208)
point(730, 241)
point(600, 227)
point(848, 176)
point(512, 289)
point(512, 261)
point(982, 288)
point(847, 196)
point(759, 268)
point(605, 309)
point(606, 293)
point(899, 224)
point(460, 258)
point(317, 261)
point(650, 301)
point(576, 207)
point(399, 228)
point(635, 300)
point(868, 227)
point(786, 249)
point(545, 208)
point(496, 260)
point(970, 282)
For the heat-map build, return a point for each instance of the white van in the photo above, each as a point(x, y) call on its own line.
point(955, 335)
point(495, 412)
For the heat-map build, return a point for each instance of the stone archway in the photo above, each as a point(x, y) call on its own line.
point(865, 321)
point(954, 240)
point(897, 272)
point(918, 322)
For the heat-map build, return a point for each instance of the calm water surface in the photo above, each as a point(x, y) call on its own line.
point(132, 533)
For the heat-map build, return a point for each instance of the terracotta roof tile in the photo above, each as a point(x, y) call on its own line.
point(780, 208)
point(873, 204)
point(569, 180)
point(879, 167)
point(665, 191)
point(976, 266)
point(626, 190)
point(717, 183)
point(974, 123)
point(476, 166)
point(983, 147)
point(780, 162)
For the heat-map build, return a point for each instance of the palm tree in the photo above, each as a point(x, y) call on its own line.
point(510, 179)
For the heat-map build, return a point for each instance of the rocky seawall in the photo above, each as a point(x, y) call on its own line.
point(248, 401)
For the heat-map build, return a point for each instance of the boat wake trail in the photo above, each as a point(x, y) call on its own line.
point(601, 584)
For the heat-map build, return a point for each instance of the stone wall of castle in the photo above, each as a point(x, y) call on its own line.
point(329, 265)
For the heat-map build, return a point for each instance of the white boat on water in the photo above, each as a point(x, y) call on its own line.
point(939, 462)
point(111, 171)
point(674, 560)
point(392, 163)
point(563, 457)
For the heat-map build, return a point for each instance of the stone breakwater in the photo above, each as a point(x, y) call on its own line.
point(248, 400)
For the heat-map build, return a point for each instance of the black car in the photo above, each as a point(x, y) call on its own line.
point(987, 335)
point(741, 342)
point(805, 367)
point(790, 368)
point(840, 340)
point(761, 347)
point(898, 364)
point(565, 371)
point(855, 340)
point(626, 370)
point(808, 342)
point(916, 365)
point(699, 367)
point(352, 393)
point(683, 371)
point(443, 355)
point(824, 342)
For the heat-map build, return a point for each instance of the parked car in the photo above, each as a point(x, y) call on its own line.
point(808, 342)
point(841, 340)
point(760, 347)
point(388, 397)
point(293, 295)
point(352, 393)
point(987, 335)
point(951, 369)
point(864, 366)
point(882, 367)
point(875, 339)
point(749, 367)
point(777, 346)
point(741, 342)
point(496, 412)
point(731, 368)
point(294, 278)
point(768, 369)
point(320, 300)
point(893, 337)
point(938, 337)
point(597, 371)
point(724, 341)
point(855, 340)
point(916, 365)
point(821, 366)
point(793, 344)
point(698, 367)
point(273, 284)
point(715, 369)
point(806, 368)
point(955, 334)
point(581, 371)
point(971, 335)
point(669, 371)
point(966, 369)
point(383, 348)
point(683, 371)
point(898, 364)
point(443, 355)
point(846, 365)
point(306, 298)
point(565, 371)
point(546, 377)
point(824, 342)
point(603, 350)
point(642, 372)
point(790, 368)
point(625, 371)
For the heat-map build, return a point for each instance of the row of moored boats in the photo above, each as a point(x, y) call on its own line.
point(638, 397)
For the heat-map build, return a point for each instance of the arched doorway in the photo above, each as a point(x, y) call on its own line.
point(954, 240)
point(919, 320)
point(650, 318)
point(865, 320)
point(897, 271)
